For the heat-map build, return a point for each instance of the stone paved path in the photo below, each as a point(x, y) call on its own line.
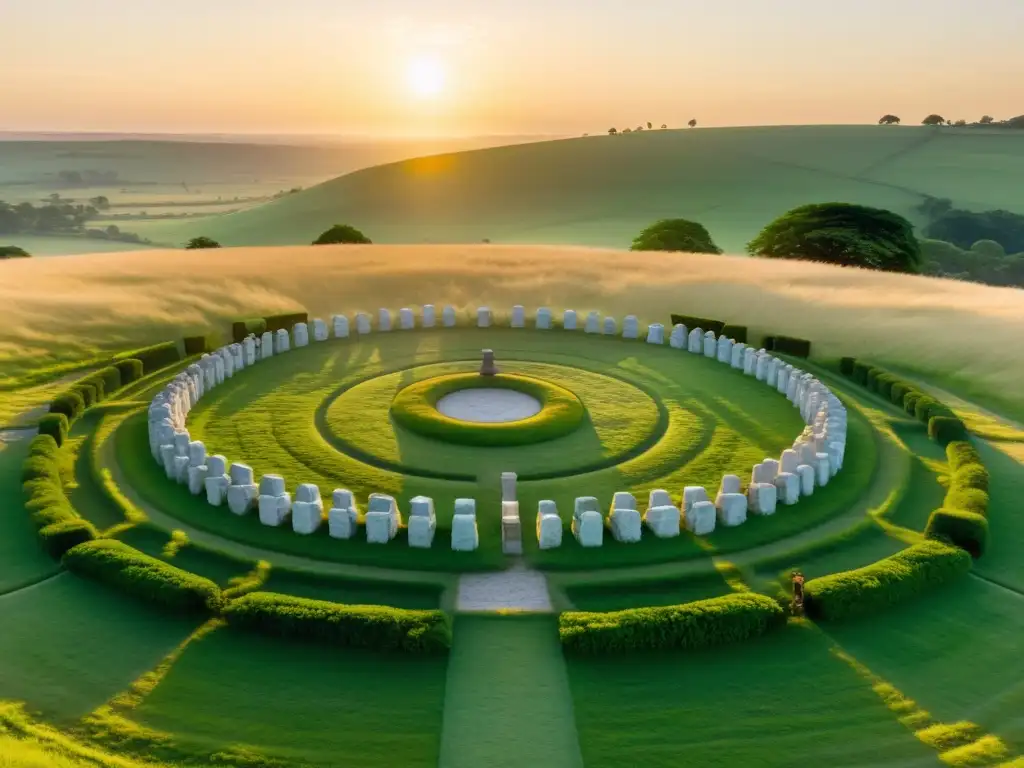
point(517, 588)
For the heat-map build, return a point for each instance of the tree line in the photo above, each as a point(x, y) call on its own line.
point(937, 119)
point(59, 218)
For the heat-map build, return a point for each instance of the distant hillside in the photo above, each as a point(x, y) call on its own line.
point(601, 190)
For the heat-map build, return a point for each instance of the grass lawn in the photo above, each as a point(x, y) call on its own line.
point(1003, 561)
point(783, 700)
point(68, 645)
point(956, 652)
point(635, 594)
point(22, 558)
point(306, 704)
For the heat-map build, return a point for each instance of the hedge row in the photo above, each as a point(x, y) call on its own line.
point(962, 518)
point(116, 563)
point(788, 345)
point(700, 624)
point(943, 425)
point(256, 326)
point(361, 626)
point(155, 357)
point(704, 323)
point(195, 345)
point(59, 526)
point(888, 582)
point(286, 321)
point(737, 333)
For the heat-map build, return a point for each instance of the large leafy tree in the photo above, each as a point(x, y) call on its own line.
point(197, 243)
point(13, 252)
point(888, 120)
point(675, 235)
point(841, 233)
point(933, 120)
point(342, 234)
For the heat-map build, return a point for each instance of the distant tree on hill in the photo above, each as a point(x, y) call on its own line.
point(664, 126)
point(100, 202)
point(987, 120)
point(888, 120)
point(13, 252)
point(627, 130)
point(965, 228)
point(342, 234)
point(693, 123)
point(612, 131)
point(844, 234)
point(197, 243)
point(960, 123)
point(639, 127)
point(675, 235)
point(1015, 122)
point(649, 126)
point(933, 120)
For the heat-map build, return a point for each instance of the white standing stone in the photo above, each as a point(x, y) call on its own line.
point(383, 320)
point(382, 506)
point(242, 498)
point(448, 317)
point(659, 498)
point(610, 327)
point(823, 468)
point(518, 316)
point(484, 318)
point(749, 361)
point(625, 525)
point(422, 522)
point(710, 345)
point(738, 351)
point(806, 474)
point(732, 509)
point(301, 334)
point(307, 509)
point(343, 517)
point(465, 537)
point(196, 453)
point(569, 320)
point(319, 330)
point(340, 323)
point(677, 338)
point(762, 498)
point(663, 520)
point(774, 365)
point(216, 488)
point(700, 518)
point(790, 461)
point(508, 486)
point(549, 525)
point(788, 486)
point(281, 341)
point(543, 322)
point(587, 522)
point(249, 351)
point(429, 316)
point(181, 469)
point(761, 365)
point(197, 479)
point(167, 456)
point(656, 333)
point(593, 322)
point(724, 351)
point(695, 341)
point(274, 502)
point(406, 319)
point(362, 323)
point(694, 494)
point(782, 380)
point(630, 327)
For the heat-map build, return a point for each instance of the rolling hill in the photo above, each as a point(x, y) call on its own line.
point(601, 190)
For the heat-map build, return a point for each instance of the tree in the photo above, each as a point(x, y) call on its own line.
point(342, 234)
point(100, 202)
point(13, 252)
point(612, 131)
point(675, 235)
point(649, 126)
point(627, 130)
point(987, 120)
point(693, 123)
point(841, 233)
point(933, 120)
point(888, 120)
point(664, 126)
point(639, 127)
point(960, 123)
point(201, 242)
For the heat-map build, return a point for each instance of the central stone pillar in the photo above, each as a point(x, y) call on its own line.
point(488, 368)
point(511, 527)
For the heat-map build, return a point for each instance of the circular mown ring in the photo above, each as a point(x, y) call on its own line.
point(415, 409)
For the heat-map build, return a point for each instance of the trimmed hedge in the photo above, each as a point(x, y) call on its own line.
point(967, 499)
point(87, 392)
point(55, 425)
point(888, 582)
point(111, 378)
point(970, 476)
point(910, 401)
point(926, 407)
point(70, 403)
point(357, 626)
point(115, 563)
point(700, 624)
point(946, 429)
point(737, 333)
point(871, 382)
point(967, 530)
point(704, 323)
point(40, 467)
point(43, 445)
point(898, 392)
point(195, 345)
point(61, 536)
point(285, 322)
point(960, 454)
point(130, 370)
point(788, 345)
point(155, 357)
point(860, 372)
point(242, 328)
point(846, 366)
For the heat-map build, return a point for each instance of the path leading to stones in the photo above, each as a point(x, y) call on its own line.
point(517, 589)
point(507, 699)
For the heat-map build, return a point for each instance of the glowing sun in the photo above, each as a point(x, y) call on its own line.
point(425, 77)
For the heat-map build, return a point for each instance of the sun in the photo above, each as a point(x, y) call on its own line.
point(425, 77)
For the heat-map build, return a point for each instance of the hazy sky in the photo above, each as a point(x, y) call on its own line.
point(420, 67)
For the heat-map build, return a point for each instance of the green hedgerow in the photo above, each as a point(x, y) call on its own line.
point(737, 333)
point(154, 357)
point(860, 372)
point(242, 328)
point(883, 385)
point(910, 401)
point(43, 445)
point(700, 624)
point(970, 476)
point(363, 626)
point(967, 499)
point(40, 467)
point(924, 406)
point(946, 429)
point(130, 370)
point(846, 365)
point(42, 492)
point(87, 392)
point(59, 537)
point(70, 403)
point(967, 530)
point(961, 453)
point(888, 582)
point(111, 378)
point(870, 382)
point(55, 425)
point(142, 576)
point(899, 391)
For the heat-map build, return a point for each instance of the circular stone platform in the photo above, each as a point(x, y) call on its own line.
point(488, 405)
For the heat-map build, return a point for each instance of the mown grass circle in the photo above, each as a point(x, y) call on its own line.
point(415, 409)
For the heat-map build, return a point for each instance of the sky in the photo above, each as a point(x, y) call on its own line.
point(468, 67)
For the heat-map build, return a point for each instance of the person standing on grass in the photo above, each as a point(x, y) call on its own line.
point(798, 591)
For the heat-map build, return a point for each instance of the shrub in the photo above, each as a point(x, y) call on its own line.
point(910, 401)
point(110, 377)
point(361, 626)
point(675, 235)
point(195, 345)
point(342, 234)
point(860, 373)
point(61, 536)
point(43, 445)
point(924, 406)
point(788, 345)
point(704, 323)
point(13, 252)
point(888, 582)
point(846, 365)
point(87, 392)
point(71, 404)
point(967, 499)
point(42, 492)
point(36, 467)
point(883, 385)
point(242, 328)
point(967, 530)
point(960, 454)
point(130, 370)
point(699, 624)
point(145, 577)
point(155, 357)
point(946, 429)
point(871, 382)
point(737, 333)
point(55, 425)
point(285, 322)
point(898, 392)
point(970, 476)
point(201, 242)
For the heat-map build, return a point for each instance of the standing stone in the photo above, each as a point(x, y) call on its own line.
point(695, 341)
point(782, 379)
point(483, 317)
point(307, 509)
point(383, 320)
point(677, 339)
point(749, 361)
point(610, 328)
point(511, 529)
point(693, 494)
point(508, 486)
point(543, 319)
point(301, 332)
point(406, 319)
point(700, 518)
point(762, 498)
point(587, 522)
point(549, 525)
point(488, 367)
point(732, 509)
point(281, 342)
point(342, 517)
point(790, 461)
point(774, 366)
point(518, 316)
point(788, 486)
point(429, 316)
point(569, 320)
point(340, 323)
point(738, 351)
point(465, 537)
point(362, 323)
point(448, 317)
point(710, 344)
point(761, 366)
point(656, 333)
point(630, 327)
point(724, 352)
point(593, 324)
point(249, 350)
point(422, 522)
